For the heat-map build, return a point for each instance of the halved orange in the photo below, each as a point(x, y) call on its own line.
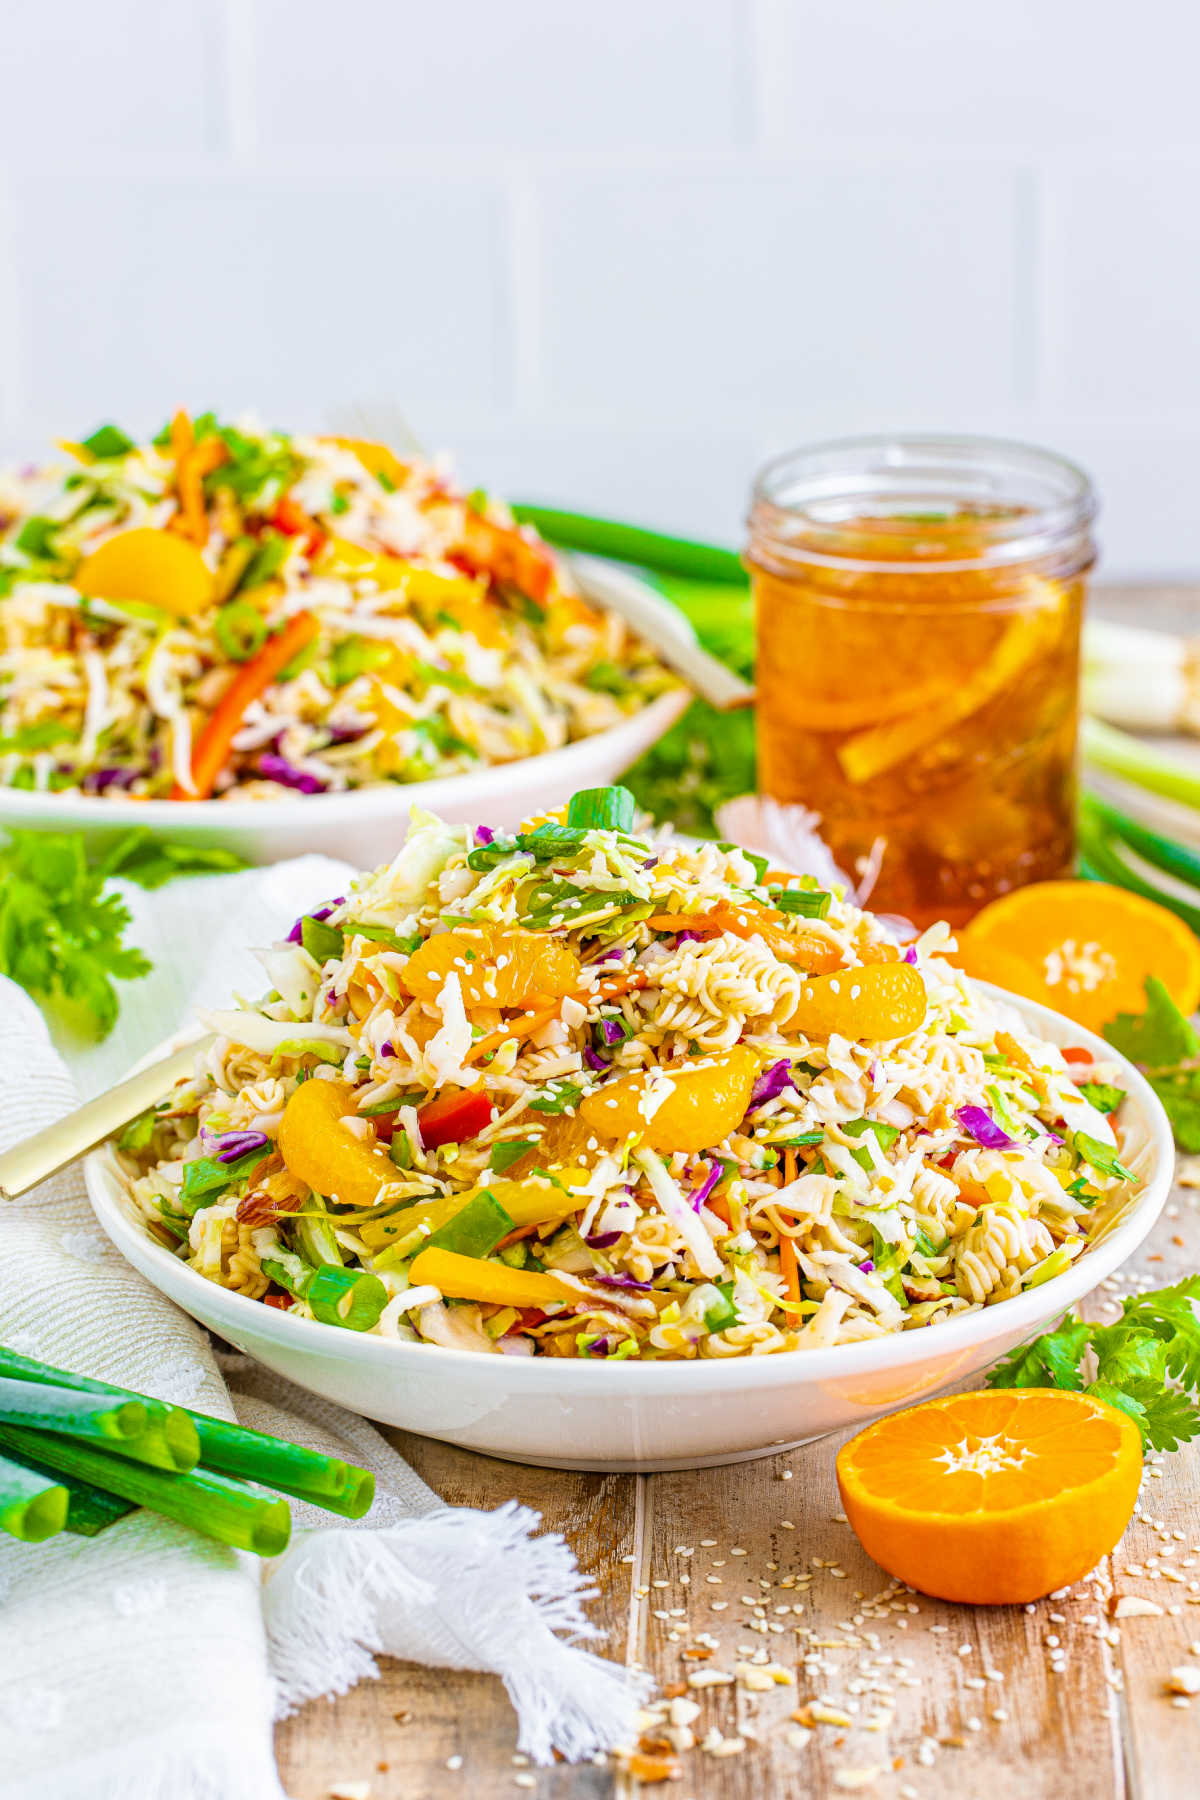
point(992, 1498)
point(1083, 948)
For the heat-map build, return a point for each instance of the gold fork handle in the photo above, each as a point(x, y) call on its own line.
point(48, 1151)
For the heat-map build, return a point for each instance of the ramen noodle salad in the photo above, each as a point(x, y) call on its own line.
point(582, 1092)
point(240, 613)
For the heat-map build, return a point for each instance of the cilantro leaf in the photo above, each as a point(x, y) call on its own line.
point(1147, 1364)
point(62, 928)
point(1052, 1360)
point(143, 858)
point(1158, 1037)
point(1102, 1095)
point(60, 934)
point(1101, 1157)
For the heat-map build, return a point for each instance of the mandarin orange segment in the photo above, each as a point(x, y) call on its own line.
point(992, 1498)
point(1083, 948)
point(157, 568)
point(494, 967)
point(317, 1147)
point(706, 1102)
point(879, 1001)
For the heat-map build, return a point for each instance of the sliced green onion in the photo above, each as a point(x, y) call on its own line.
point(502, 1156)
point(721, 1315)
point(246, 1517)
point(810, 903)
point(1101, 857)
point(1119, 754)
point(32, 1506)
point(227, 1447)
point(475, 1229)
point(106, 443)
point(90, 1510)
point(96, 1416)
point(145, 1430)
point(602, 809)
point(36, 536)
point(1172, 858)
point(323, 942)
point(240, 630)
point(349, 1297)
point(325, 1481)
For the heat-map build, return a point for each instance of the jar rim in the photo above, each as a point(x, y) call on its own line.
point(1028, 504)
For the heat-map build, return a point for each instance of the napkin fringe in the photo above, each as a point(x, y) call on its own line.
point(490, 1595)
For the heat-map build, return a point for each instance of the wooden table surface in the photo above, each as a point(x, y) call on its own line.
point(751, 1566)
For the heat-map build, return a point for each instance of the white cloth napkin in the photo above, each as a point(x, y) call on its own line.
point(149, 1663)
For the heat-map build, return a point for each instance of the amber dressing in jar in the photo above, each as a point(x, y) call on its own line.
point(918, 605)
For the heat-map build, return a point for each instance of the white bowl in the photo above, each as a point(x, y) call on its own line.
point(568, 1413)
point(366, 826)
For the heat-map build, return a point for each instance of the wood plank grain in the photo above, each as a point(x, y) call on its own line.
point(1158, 1559)
point(449, 1714)
point(893, 1673)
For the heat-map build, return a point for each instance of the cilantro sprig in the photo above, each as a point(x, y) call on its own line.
point(1147, 1364)
point(62, 929)
point(1167, 1050)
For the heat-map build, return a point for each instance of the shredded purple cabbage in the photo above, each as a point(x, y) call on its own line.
point(611, 1031)
point(622, 1281)
point(347, 734)
point(868, 1267)
point(687, 937)
point(319, 913)
point(387, 1048)
point(771, 1082)
point(598, 1347)
point(594, 1060)
point(229, 1145)
point(484, 834)
point(96, 781)
point(604, 1241)
point(616, 954)
point(279, 769)
point(978, 1123)
point(910, 955)
point(700, 1195)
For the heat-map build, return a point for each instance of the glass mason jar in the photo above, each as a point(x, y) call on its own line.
point(919, 603)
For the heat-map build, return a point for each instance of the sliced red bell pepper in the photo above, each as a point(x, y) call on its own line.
point(454, 1117)
point(293, 521)
point(1075, 1053)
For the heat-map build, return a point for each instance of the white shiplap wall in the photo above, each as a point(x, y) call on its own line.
point(616, 254)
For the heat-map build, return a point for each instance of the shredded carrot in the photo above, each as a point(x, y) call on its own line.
point(212, 746)
point(789, 1268)
point(720, 1205)
point(789, 1165)
point(514, 1237)
point(193, 462)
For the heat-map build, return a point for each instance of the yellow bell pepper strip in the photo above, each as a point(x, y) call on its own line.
point(149, 566)
point(528, 1203)
point(211, 749)
point(351, 562)
point(317, 1148)
point(468, 1278)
